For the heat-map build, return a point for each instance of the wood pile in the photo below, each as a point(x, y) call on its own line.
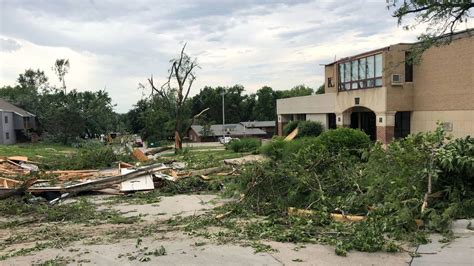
point(11, 168)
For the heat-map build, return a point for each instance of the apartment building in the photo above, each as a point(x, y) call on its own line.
point(381, 93)
point(13, 121)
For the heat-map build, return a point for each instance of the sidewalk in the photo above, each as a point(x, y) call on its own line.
point(458, 252)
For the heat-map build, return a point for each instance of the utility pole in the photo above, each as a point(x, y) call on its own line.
point(223, 116)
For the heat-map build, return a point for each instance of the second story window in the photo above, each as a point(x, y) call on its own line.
point(330, 83)
point(361, 73)
point(6, 119)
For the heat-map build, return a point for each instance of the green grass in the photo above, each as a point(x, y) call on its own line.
point(39, 152)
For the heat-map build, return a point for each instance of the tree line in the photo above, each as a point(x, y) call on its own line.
point(62, 116)
point(65, 115)
point(153, 121)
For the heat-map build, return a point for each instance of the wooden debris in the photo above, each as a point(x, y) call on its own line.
point(209, 171)
point(137, 153)
point(18, 158)
point(124, 165)
point(292, 135)
point(158, 150)
point(335, 216)
point(20, 190)
point(223, 215)
point(8, 183)
point(347, 218)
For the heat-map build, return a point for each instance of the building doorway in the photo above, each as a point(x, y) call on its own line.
point(364, 119)
point(331, 121)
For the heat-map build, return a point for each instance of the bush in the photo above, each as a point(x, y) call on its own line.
point(310, 129)
point(344, 138)
point(274, 148)
point(279, 149)
point(91, 155)
point(290, 127)
point(244, 145)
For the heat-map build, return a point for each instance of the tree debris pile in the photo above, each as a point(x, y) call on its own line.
point(374, 199)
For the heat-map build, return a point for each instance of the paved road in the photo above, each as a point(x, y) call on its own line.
point(182, 249)
point(458, 252)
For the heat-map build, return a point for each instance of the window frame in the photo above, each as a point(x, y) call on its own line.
point(345, 84)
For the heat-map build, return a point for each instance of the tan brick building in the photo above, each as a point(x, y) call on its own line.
point(381, 93)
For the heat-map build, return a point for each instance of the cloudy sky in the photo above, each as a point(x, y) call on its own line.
point(114, 45)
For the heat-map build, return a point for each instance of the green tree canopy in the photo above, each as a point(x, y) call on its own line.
point(441, 18)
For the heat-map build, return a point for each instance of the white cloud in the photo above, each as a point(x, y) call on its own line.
point(117, 44)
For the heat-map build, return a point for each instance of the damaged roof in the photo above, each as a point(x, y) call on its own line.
point(231, 130)
point(8, 107)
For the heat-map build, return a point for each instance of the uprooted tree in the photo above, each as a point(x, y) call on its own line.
point(175, 90)
point(441, 18)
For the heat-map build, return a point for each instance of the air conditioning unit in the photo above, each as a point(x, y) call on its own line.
point(397, 80)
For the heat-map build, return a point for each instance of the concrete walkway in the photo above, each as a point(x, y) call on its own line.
point(458, 252)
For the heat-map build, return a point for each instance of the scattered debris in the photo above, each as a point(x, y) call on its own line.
point(137, 153)
point(292, 135)
point(335, 216)
point(246, 159)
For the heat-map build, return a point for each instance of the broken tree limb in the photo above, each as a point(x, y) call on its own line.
point(158, 150)
point(209, 171)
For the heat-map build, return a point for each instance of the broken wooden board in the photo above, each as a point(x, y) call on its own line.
point(292, 135)
point(137, 153)
point(9, 183)
point(335, 216)
point(18, 158)
point(143, 182)
point(124, 165)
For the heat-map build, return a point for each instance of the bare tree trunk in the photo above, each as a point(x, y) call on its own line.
point(178, 145)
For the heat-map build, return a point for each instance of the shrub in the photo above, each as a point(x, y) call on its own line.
point(290, 127)
point(344, 138)
point(279, 149)
point(244, 145)
point(91, 155)
point(274, 148)
point(310, 128)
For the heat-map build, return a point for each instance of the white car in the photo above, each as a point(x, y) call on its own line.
point(225, 140)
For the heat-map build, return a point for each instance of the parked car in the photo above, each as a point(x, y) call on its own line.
point(225, 140)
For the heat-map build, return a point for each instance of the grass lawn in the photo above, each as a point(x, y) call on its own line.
point(38, 152)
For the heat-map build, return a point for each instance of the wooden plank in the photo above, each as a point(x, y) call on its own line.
point(292, 135)
point(18, 158)
point(335, 216)
point(137, 153)
point(9, 183)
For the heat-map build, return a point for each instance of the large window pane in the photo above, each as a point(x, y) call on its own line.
point(378, 65)
point(362, 67)
point(341, 73)
point(347, 74)
point(370, 83)
point(370, 67)
point(355, 67)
